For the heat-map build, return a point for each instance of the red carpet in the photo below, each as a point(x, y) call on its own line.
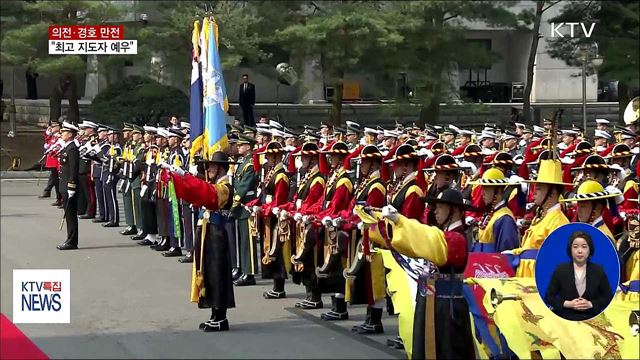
point(14, 344)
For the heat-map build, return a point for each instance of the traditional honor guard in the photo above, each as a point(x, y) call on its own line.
point(445, 172)
point(110, 178)
point(245, 182)
point(405, 193)
point(176, 158)
point(70, 161)
point(126, 164)
point(148, 188)
point(629, 251)
point(497, 231)
point(273, 192)
point(441, 326)
point(137, 153)
point(548, 216)
point(591, 199)
point(307, 256)
point(51, 138)
point(211, 285)
point(87, 195)
point(624, 179)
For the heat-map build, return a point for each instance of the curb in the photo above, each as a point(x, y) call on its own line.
point(24, 174)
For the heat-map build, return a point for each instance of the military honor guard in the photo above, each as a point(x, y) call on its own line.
point(69, 157)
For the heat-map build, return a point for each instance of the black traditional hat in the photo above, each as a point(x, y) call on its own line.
point(308, 149)
point(594, 162)
point(438, 147)
point(218, 157)
point(403, 152)
point(501, 158)
point(370, 152)
point(339, 147)
point(620, 151)
point(452, 197)
point(445, 162)
point(273, 148)
point(472, 150)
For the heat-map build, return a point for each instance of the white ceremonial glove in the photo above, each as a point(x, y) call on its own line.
point(143, 190)
point(520, 223)
point(614, 190)
point(176, 169)
point(193, 170)
point(284, 214)
point(530, 206)
point(468, 164)
point(70, 193)
point(360, 225)
point(567, 160)
point(507, 252)
point(297, 217)
point(306, 219)
point(623, 215)
point(336, 222)
point(256, 209)
point(164, 165)
point(390, 213)
point(327, 221)
point(275, 211)
point(470, 220)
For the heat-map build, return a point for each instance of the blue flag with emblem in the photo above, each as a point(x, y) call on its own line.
point(215, 99)
point(195, 100)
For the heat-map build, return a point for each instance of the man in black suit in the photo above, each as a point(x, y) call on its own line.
point(69, 164)
point(247, 100)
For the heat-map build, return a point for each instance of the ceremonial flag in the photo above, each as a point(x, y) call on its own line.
point(195, 101)
point(215, 99)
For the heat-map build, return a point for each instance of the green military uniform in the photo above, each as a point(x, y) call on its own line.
point(137, 166)
point(245, 183)
point(126, 186)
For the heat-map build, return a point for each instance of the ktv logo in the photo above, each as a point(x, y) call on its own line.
point(41, 296)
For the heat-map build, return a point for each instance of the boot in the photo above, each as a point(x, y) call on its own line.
point(367, 320)
point(131, 230)
point(375, 325)
point(307, 290)
point(203, 324)
point(219, 322)
point(277, 292)
point(315, 302)
point(338, 310)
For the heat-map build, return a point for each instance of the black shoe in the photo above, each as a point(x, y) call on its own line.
point(274, 294)
point(45, 195)
point(214, 326)
point(57, 203)
point(139, 236)
point(235, 274)
point(145, 242)
point(173, 252)
point(187, 259)
point(110, 224)
point(99, 220)
point(162, 247)
point(86, 216)
point(131, 230)
point(371, 329)
point(245, 280)
point(202, 325)
point(334, 316)
point(396, 343)
point(66, 246)
point(310, 305)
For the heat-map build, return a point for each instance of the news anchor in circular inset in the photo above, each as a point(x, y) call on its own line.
point(579, 271)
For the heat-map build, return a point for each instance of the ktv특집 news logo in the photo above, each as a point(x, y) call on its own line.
point(41, 296)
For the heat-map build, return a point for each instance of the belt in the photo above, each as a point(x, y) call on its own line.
point(483, 247)
point(529, 254)
point(634, 286)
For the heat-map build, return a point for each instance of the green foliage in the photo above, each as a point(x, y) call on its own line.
point(617, 33)
point(139, 100)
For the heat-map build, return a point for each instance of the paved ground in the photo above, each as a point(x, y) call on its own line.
point(128, 301)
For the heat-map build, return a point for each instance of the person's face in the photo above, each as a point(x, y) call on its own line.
point(441, 212)
point(244, 149)
point(527, 136)
point(488, 143)
point(173, 141)
point(290, 141)
point(102, 135)
point(518, 130)
point(487, 194)
point(389, 142)
point(88, 132)
point(306, 162)
point(66, 135)
point(580, 250)
point(148, 137)
point(585, 208)
point(159, 141)
point(623, 162)
point(55, 129)
point(448, 138)
point(335, 160)
point(464, 140)
point(174, 120)
point(259, 138)
point(264, 120)
point(136, 137)
point(541, 193)
point(594, 175)
point(237, 122)
point(601, 127)
point(547, 126)
point(324, 131)
point(112, 138)
point(511, 143)
point(233, 149)
point(600, 141)
point(352, 138)
point(567, 139)
point(245, 79)
point(443, 178)
point(365, 167)
point(630, 142)
point(212, 171)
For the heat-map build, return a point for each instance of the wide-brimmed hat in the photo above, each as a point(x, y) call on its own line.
point(594, 162)
point(308, 149)
point(273, 147)
point(403, 152)
point(583, 147)
point(338, 148)
point(472, 150)
point(446, 162)
point(218, 157)
point(549, 172)
point(590, 190)
point(452, 197)
point(438, 147)
point(369, 152)
point(620, 151)
point(501, 158)
point(493, 177)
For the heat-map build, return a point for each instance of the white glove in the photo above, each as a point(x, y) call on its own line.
point(143, 190)
point(297, 217)
point(306, 219)
point(360, 225)
point(256, 209)
point(284, 214)
point(507, 252)
point(327, 221)
point(529, 206)
point(623, 215)
point(176, 169)
point(614, 190)
point(164, 165)
point(275, 211)
point(70, 193)
point(193, 170)
point(336, 222)
point(469, 220)
point(520, 223)
point(390, 213)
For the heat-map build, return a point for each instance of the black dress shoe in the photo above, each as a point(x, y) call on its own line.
point(162, 247)
point(235, 274)
point(56, 203)
point(145, 242)
point(131, 230)
point(99, 220)
point(371, 329)
point(66, 246)
point(245, 280)
point(310, 305)
point(139, 236)
point(203, 324)
point(173, 252)
point(186, 260)
point(45, 195)
point(86, 216)
point(274, 294)
point(214, 326)
point(110, 224)
point(334, 316)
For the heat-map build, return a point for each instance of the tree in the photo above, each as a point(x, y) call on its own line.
point(28, 45)
point(345, 34)
point(617, 33)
